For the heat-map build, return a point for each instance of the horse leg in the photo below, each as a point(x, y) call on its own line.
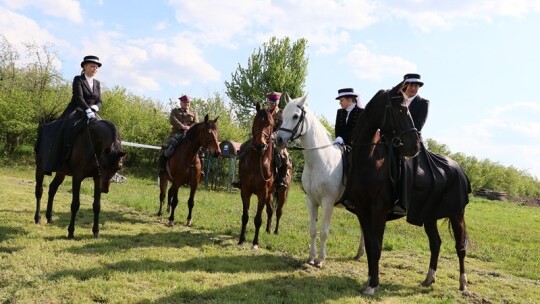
point(53, 188)
point(373, 225)
point(162, 190)
point(269, 212)
point(460, 236)
point(313, 213)
point(263, 199)
point(361, 246)
point(191, 200)
point(245, 215)
point(327, 210)
point(434, 247)
point(38, 192)
point(173, 193)
point(281, 199)
point(96, 206)
point(170, 195)
point(75, 204)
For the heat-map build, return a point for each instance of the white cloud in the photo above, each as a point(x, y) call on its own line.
point(510, 136)
point(141, 65)
point(371, 66)
point(324, 23)
point(445, 14)
point(63, 9)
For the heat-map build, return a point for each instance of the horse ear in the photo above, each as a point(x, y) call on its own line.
point(287, 98)
point(206, 118)
point(258, 106)
point(302, 100)
point(215, 120)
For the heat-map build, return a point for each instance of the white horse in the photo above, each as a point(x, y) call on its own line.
point(322, 178)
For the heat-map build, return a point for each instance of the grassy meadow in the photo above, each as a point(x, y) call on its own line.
point(138, 259)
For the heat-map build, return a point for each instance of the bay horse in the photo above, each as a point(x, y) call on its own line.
point(323, 175)
point(384, 133)
point(97, 153)
point(184, 166)
point(256, 174)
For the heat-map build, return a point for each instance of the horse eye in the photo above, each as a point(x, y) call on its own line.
point(295, 116)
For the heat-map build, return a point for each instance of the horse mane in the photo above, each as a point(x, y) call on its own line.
point(116, 140)
point(192, 132)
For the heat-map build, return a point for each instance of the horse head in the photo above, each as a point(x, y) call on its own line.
point(261, 130)
point(205, 134)
point(387, 112)
point(109, 155)
point(292, 127)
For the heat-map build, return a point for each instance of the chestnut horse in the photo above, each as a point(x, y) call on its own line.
point(97, 153)
point(256, 174)
point(322, 178)
point(374, 168)
point(184, 166)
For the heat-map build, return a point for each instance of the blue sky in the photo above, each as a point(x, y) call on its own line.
point(478, 58)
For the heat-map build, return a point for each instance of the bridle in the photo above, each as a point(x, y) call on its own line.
point(395, 140)
point(299, 125)
point(266, 133)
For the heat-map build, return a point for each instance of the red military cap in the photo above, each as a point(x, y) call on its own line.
point(273, 96)
point(185, 98)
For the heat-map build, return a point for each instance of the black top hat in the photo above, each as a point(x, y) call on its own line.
point(346, 92)
point(91, 59)
point(414, 78)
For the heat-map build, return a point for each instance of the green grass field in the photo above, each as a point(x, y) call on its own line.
point(138, 259)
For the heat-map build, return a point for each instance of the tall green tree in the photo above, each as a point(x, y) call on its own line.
point(278, 65)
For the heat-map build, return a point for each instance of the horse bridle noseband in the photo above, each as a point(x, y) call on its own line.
point(396, 139)
point(295, 134)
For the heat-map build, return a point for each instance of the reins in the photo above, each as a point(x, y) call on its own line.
point(98, 165)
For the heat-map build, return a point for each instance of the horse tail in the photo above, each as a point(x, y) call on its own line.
point(465, 241)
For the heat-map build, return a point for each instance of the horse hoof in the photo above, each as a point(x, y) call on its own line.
point(255, 247)
point(369, 291)
point(170, 224)
point(96, 235)
point(189, 223)
point(70, 237)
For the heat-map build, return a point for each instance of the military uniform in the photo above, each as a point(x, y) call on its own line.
point(181, 118)
point(281, 158)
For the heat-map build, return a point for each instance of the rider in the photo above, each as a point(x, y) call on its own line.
point(346, 116)
point(281, 158)
point(345, 123)
point(418, 108)
point(55, 138)
point(181, 119)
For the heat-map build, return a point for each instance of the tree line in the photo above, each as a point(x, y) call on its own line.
point(33, 91)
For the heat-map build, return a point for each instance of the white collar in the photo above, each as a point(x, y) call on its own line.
point(349, 108)
point(410, 99)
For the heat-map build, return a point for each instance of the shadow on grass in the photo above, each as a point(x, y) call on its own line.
point(216, 264)
point(280, 289)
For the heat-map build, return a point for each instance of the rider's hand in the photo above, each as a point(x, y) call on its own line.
point(90, 114)
point(338, 140)
point(94, 108)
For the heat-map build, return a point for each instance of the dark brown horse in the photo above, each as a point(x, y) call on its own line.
point(257, 176)
point(184, 166)
point(97, 153)
point(374, 169)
